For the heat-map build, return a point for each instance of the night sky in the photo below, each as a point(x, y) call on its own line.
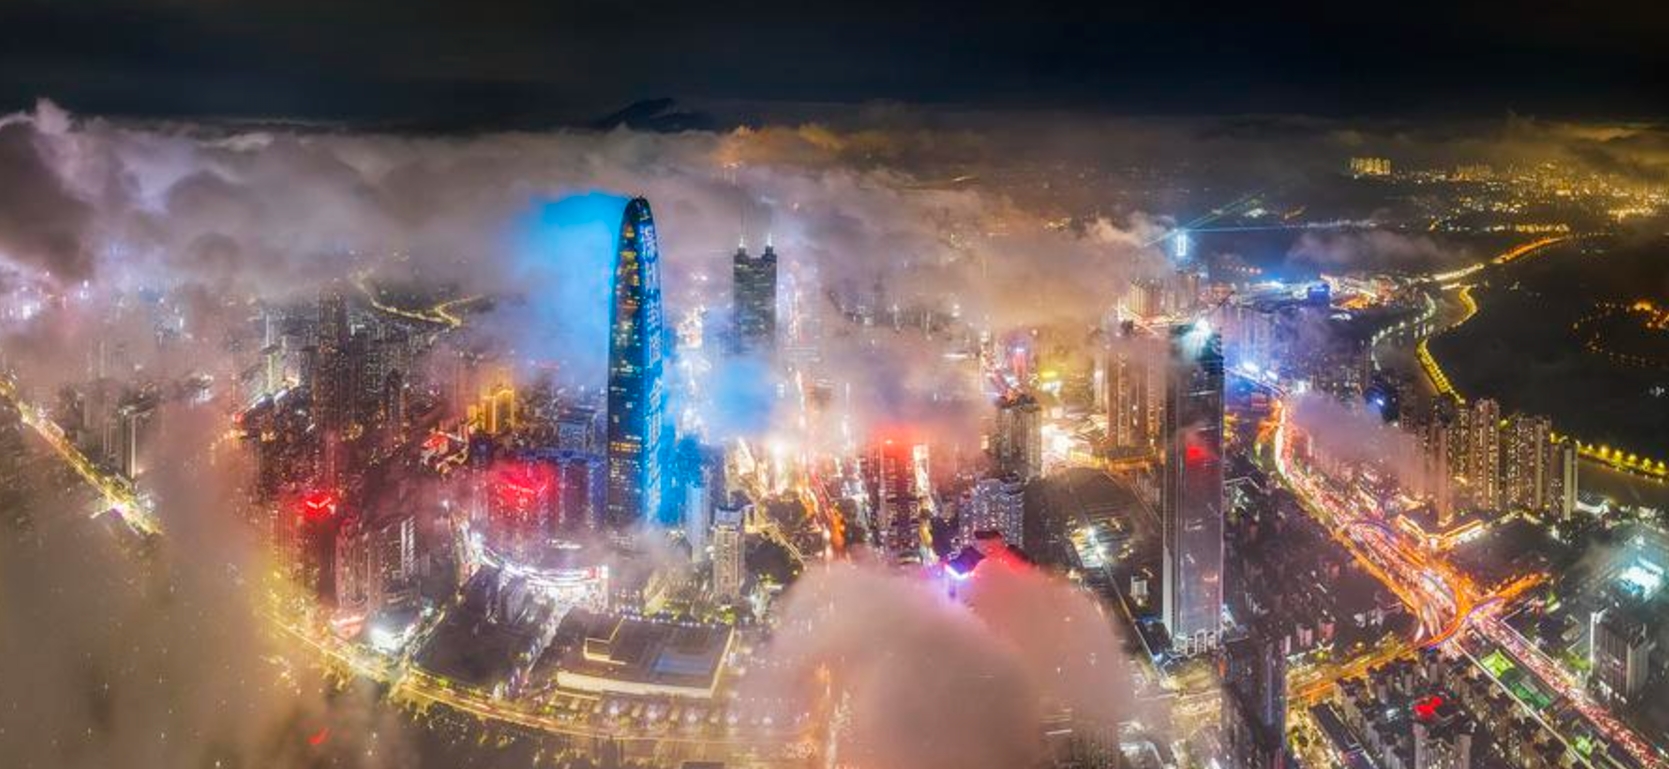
point(549, 61)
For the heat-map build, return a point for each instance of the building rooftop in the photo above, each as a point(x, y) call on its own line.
point(627, 655)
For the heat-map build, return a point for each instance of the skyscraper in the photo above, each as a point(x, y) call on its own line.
point(729, 523)
point(754, 296)
point(694, 482)
point(1525, 473)
point(996, 504)
point(1018, 441)
point(1191, 502)
point(1254, 702)
point(1619, 652)
point(636, 390)
point(902, 491)
point(1442, 477)
point(1562, 489)
point(1483, 454)
point(1128, 409)
point(329, 380)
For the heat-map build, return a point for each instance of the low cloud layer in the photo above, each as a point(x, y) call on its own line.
point(113, 233)
point(1353, 433)
point(1374, 250)
point(161, 660)
point(935, 680)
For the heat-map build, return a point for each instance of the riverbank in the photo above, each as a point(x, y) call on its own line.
point(1519, 348)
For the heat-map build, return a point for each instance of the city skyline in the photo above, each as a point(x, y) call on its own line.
point(1045, 388)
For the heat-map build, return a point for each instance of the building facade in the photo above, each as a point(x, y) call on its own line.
point(637, 445)
point(1620, 649)
point(754, 299)
point(1017, 444)
point(1191, 499)
point(995, 504)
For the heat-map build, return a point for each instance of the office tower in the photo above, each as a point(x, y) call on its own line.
point(576, 428)
point(393, 561)
point(902, 490)
point(272, 355)
point(1254, 702)
point(330, 379)
point(1145, 299)
point(278, 426)
point(1620, 650)
point(636, 391)
point(386, 351)
point(334, 330)
point(694, 481)
point(1185, 290)
point(134, 417)
point(697, 516)
point(376, 564)
point(1017, 444)
point(494, 413)
point(1191, 500)
point(996, 504)
point(521, 501)
point(307, 534)
point(1483, 453)
point(352, 568)
point(581, 480)
point(728, 554)
point(1128, 407)
point(393, 402)
point(754, 297)
point(802, 323)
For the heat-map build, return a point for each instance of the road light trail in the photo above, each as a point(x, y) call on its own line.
point(1431, 586)
point(117, 491)
point(1511, 255)
point(442, 314)
point(406, 681)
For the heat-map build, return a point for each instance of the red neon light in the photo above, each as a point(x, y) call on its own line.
point(1426, 709)
point(1195, 454)
point(518, 487)
point(319, 739)
point(1000, 555)
point(319, 504)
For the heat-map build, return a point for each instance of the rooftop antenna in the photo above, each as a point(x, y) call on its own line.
point(742, 228)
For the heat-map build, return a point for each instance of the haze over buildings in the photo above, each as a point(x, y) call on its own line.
point(1084, 387)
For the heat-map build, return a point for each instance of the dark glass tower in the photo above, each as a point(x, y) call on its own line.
point(636, 389)
point(754, 297)
point(1254, 706)
point(1191, 502)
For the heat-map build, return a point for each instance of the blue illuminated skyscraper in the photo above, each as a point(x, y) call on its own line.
point(636, 387)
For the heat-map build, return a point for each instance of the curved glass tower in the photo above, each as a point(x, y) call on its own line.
point(636, 390)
